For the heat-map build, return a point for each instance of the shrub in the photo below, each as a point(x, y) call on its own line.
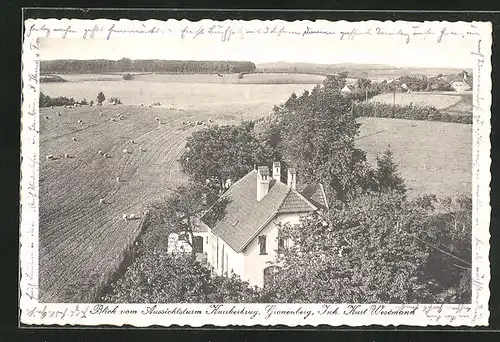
point(408, 112)
point(115, 100)
point(100, 97)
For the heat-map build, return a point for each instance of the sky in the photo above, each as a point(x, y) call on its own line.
point(395, 52)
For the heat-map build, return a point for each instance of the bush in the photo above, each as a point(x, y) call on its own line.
point(100, 98)
point(409, 112)
point(115, 100)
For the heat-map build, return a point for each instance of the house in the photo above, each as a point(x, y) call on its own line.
point(246, 238)
point(347, 89)
point(460, 86)
point(461, 82)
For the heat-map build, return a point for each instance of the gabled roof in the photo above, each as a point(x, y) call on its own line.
point(315, 194)
point(245, 217)
point(347, 87)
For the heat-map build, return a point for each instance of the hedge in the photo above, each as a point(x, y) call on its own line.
point(408, 112)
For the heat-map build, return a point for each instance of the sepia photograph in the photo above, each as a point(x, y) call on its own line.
point(235, 180)
point(256, 171)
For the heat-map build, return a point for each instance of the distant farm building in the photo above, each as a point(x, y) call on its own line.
point(460, 86)
point(347, 89)
point(462, 82)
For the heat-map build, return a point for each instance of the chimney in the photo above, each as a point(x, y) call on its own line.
point(292, 178)
point(262, 182)
point(277, 171)
point(465, 75)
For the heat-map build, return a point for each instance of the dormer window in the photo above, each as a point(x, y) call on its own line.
point(262, 244)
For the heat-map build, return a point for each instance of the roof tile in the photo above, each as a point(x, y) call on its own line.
point(244, 215)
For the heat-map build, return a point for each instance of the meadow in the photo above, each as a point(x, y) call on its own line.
point(440, 100)
point(432, 157)
point(83, 241)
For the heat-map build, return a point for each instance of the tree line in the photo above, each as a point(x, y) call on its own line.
point(376, 244)
point(69, 66)
point(409, 112)
point(47, 101)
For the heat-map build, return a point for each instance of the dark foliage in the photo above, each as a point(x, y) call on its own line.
point(219, 153)
point(47, 101)
point(101, 97)
point(100, 66)
point(409, 112)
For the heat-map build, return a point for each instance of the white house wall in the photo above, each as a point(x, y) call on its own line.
point(233, 262)
point(254, 262)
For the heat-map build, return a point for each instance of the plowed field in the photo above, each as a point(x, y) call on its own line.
point(81, 239)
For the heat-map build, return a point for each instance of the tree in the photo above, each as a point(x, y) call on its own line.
point(367, 253)
point(158, 277)
point(363, 83)
point(100, 98)
point(335, 82)
point(178, 213)
point(220, 153)
point(450, 238)
point(386, 174)
point(317, 136)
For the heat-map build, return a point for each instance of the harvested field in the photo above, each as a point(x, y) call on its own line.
point(433, 157)
point(82, 240)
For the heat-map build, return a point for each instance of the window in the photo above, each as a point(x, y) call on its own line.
point(222, 260)
point(282, 242)
point(262, 244)
point(227, 264)
point(217, 254)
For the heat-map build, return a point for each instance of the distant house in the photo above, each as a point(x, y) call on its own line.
point(461, 82)
point(460, 86)
point(347, 89)
point(247, 237)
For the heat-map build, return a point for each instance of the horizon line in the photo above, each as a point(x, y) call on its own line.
point(388, 66)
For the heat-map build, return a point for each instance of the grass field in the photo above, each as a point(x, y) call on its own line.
point(448, 102)
point(433, 157)
point(82, 241)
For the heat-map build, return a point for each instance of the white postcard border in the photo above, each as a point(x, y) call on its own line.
point(196, 315)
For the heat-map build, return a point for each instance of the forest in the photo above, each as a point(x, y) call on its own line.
point(101, 66)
